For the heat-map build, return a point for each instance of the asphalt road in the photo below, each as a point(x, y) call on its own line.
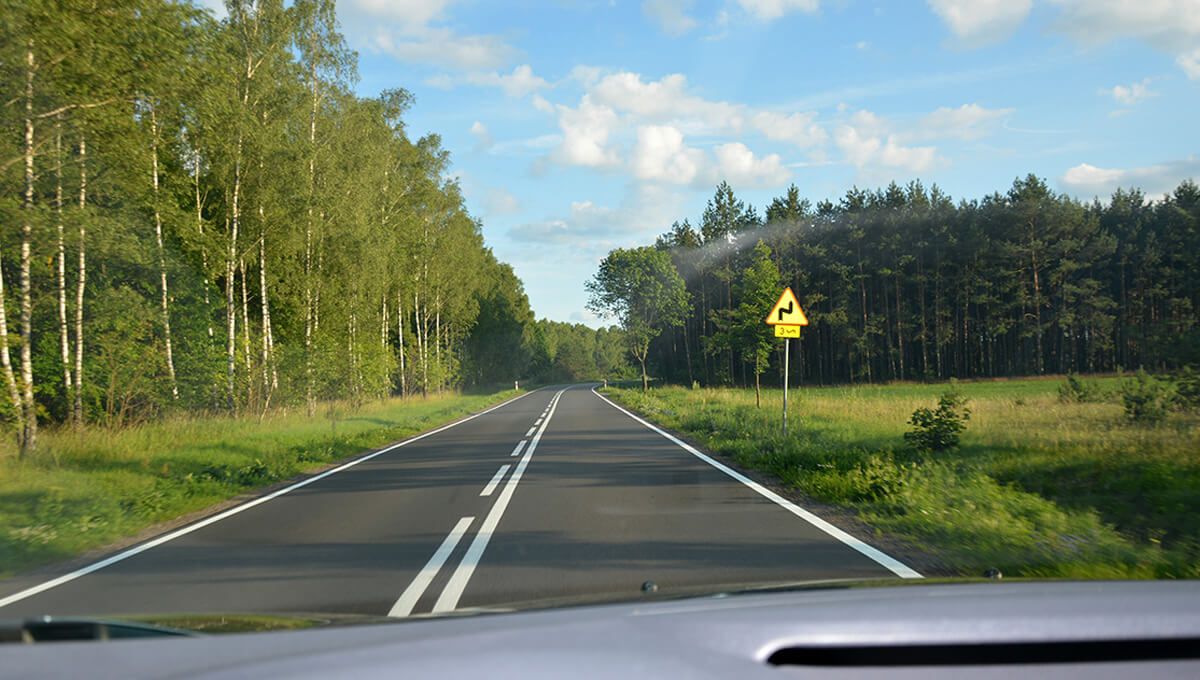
point(555, 494)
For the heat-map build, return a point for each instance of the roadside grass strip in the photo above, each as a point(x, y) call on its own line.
point(84, 490)
point(1038, 487)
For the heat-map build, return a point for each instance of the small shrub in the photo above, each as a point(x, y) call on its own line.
point(1145, 399)
point(939, 429)
point(1187, 390)
point(1076, 391)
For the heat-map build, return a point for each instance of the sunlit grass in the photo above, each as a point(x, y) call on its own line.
point(81, 490)
point(1037, 487)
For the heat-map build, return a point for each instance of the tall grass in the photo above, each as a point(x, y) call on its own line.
point(1038, 487)
point(81, 490)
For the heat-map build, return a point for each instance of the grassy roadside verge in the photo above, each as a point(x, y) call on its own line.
point(1037, 488)
point(85, 490)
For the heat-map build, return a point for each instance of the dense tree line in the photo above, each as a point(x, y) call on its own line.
point(201, 214)
point(902, 283)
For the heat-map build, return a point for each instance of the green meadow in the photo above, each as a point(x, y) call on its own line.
point(83, 490)
point(1037, 487)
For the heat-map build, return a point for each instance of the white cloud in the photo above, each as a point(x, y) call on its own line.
point(483, 138)
point(1129, 96)
point(671, 15)
point(585, 135)
point(409, 14)
point(967, 122)
point(497, 202)
point(408, 30)
point(768, 10)
point(800, 129)
point(666, 100)
point(661, 155)
point(443, 47)
point(866, 144)
point(981, 21)
point(1154, 180)
point(741, 168)
point(516, 84)
point(541, 104)
point(1190, 63)
point(1169, 25)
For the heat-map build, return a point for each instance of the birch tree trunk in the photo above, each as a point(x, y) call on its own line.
point(200, 231)
point(400, 343)
point(64, 339)
point(80, 283)
point(6, 361)
point(29, 408)
point(230, 282)
point(162, 260)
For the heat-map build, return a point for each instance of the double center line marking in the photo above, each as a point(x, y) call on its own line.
point(453, 590)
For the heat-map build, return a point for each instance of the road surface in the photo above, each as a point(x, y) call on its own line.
point(555, 494)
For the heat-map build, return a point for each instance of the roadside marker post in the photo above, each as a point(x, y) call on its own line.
point(787, 318)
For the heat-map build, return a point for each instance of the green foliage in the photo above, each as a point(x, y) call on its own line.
point(642, 288)
point(1145, 398)
point(1079, 392)
point(1187, 389)
point(939, 429)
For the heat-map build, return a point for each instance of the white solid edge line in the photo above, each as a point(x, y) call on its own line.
point(408, 599)
point(448, 600)
point(892, 564)
point(521, 445)
point(109, 561)
point(491, 486)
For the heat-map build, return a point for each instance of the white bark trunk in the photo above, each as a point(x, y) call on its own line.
point(28, 406)
point(6, 360)
point(162, 260)
point(64, 337)
point(81, 281)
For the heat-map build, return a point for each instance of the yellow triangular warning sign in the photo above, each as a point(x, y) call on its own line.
point(787, 311)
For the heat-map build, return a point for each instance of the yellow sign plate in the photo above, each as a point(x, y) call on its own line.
point(787, 311)
point(787, 331)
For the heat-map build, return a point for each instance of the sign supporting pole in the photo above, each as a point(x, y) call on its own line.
point(786, 346)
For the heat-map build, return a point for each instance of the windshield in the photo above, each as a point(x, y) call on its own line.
point(404, 308)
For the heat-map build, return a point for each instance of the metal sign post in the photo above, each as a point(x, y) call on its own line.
point(787, 318)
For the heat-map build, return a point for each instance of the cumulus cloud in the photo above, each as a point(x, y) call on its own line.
point(585, 135)
point(800, 129)
point(519, 83)
point(665, 100)
point(978, 22)
point(661, 155)
point(867, 143)
point(671, 15)
point(407, 30)
point(768, 10)
point(967, 122)
point(741, 168)
point(1129, 96)
point(1087, 180)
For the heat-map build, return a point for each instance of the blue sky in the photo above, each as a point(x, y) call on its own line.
point(576, 127)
